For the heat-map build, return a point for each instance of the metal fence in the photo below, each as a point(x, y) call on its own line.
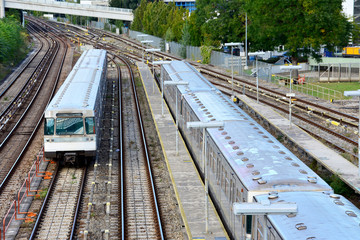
point(337, 72)
point(304, 85)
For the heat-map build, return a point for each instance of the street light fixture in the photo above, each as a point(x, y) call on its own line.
point(256, 54)
point(264, 208)
point(204, 126)
point(153, 50)
point(356, 94)
point(232, 44)
point(145, 41)
point(175, 83)
point(290, 94)
point(162, 82)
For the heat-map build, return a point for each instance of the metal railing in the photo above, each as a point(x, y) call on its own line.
point(24, 192)
point(76, 5)
point(304, 85)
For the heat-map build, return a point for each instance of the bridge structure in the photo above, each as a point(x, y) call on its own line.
point(53, 6)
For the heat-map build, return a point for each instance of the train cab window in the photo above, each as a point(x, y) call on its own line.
point(49, 126)
point(90, 125)
point(69, 126)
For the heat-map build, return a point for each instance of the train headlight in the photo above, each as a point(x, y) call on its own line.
point(47, 140)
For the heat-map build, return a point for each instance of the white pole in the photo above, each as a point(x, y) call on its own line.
point(162, 91)
point(359, 138)
point(232, 74)
point(257, 82)
point(206, 188)
point(153, 72)
point(246, 51)
point(290, 102)
point(2, 8)
point(177, 134)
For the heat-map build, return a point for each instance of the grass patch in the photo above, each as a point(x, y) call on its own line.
point(341, 87)
point(42, 194)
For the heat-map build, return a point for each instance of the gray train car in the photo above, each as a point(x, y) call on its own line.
point(243, 159)
point(72, 117)
point(321, 216)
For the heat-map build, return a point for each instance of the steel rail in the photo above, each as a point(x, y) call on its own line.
point(42, 209)
point(302, 119)
point(217, 74)
point(144, 142)
point(23, 69)
point(25, 85)
point(33, 99)
point(13, 167)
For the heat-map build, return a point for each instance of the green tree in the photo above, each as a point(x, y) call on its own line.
point(185, 40)
point(137, 24)
point(301, 26)
point(157, 18)
point(217, 21)
point(12, 41)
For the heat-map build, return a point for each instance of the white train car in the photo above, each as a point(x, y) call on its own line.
point(321, 216)
point(243, 159)
point(72, 117)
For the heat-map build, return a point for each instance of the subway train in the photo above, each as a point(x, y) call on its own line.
point(247, 164)
point(72, 117)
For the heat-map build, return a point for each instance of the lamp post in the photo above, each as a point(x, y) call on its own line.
point(246, 50)
point(153, 50)
point(232, 44)
point(176, 110)
point(290, 94)
point(256, 54)
point(204, 126)
point(145, 41)
point(162, 82)
point(264, 208)
point(356, 94)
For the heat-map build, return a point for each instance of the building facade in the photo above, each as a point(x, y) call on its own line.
point(188, 4)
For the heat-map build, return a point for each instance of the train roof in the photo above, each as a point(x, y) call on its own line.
point(183, 71)
point(80, 88)
point(321, 216)
point(262, 163)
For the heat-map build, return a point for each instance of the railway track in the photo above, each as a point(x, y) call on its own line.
point(57, 217)
point(139, 221)
point(141, 216)
point(309, 111)
point(20, 139)
point(306, 105)
point(274, 103)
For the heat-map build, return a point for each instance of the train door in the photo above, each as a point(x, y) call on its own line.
point(232, 199)
point(239, 226)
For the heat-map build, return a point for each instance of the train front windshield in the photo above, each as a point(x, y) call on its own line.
point(69, 125)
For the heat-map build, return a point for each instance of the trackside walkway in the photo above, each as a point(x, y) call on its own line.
point(327, 157)
point(187, 184)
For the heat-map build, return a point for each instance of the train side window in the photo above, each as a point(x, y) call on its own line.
point(49, 126)
point(90, 125)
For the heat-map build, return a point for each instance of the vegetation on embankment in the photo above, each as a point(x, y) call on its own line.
point(13, 44)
